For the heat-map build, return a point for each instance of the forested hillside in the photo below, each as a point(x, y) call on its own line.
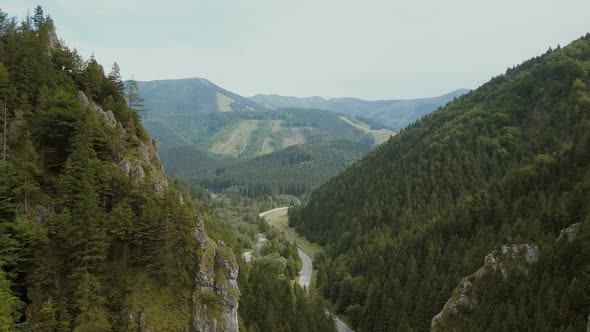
point(288, 151)
point(497, 175)
point(92, 236)
point(292, 171)
point(250, 134)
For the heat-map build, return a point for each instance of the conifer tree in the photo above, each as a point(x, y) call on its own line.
point(134, 99)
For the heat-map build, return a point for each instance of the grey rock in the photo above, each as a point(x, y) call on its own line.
point(122, 132)
point(109, 118)
point(144, 153)
point(215, 300)
point(569, 233)
point(83, 99)
point(40, 212)
point(509, 258)
point(53, 38)
point(132, 169)
point(141, 322)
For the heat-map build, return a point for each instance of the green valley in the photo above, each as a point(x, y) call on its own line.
point(177, 205)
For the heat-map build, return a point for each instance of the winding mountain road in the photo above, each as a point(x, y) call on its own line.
point(307, 267)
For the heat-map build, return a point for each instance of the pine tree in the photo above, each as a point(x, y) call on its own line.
point(8, 305)
point(134, 99)
point(38, 18)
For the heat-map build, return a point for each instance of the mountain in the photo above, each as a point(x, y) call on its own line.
point(249, 134)
point(395, 114)
point(93, 237)
point(195, 134)
point(474, 218)
point(294, 170)
point(196, 112)
point(190, 96)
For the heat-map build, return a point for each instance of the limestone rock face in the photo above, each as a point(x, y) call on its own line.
point(137, 159)
point(215, 299)
point(568, 233)
point(507, 259)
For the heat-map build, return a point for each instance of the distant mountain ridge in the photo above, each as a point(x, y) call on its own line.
point(395, 114)
point(191, 96)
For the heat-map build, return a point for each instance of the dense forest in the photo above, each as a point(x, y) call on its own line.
point(81, 243)
point(292, 171)
point(506, 166)
point(270, 299)
point(93, 236)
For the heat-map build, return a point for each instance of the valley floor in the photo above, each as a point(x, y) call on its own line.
point(279, 219)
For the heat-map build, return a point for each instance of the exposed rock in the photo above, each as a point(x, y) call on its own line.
point(144, 153)
point(122, 131)
point(132, 169)
point(83, 99)
point(53, 39)
point(144, 159)
point(509, 254)
point(215, 300)
point(569, 233)
point(509, 258)
point(41, 211)
point(107, 116)
point(142, 323)
point(110, 119)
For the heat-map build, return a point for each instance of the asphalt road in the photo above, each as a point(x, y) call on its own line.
point(306, 269)
point(306, 272)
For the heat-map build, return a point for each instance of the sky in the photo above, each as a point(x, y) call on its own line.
point(370, 49)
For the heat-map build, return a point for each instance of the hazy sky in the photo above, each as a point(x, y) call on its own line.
point(369, 49)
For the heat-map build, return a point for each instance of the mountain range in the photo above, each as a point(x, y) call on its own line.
point(219, 127)
point(395, 114)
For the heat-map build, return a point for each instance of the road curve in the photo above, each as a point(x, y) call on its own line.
point(306, 269)
point(273, 210)
point(306, 272)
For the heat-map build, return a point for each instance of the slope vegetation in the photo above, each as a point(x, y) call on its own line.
point(507, 164)
point(92, 235)
point(294, 170)
point(250, 134)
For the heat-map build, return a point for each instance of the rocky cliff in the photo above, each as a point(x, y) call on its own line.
point(506, 260)
point(215, 298)
point(213, 304)
point(139, 162)
point(503, 263)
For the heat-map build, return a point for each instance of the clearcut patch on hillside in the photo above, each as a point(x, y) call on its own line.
point(269, 143)
point(235, 141)
point(296, 139)
point(380, 135)
point(224, 103)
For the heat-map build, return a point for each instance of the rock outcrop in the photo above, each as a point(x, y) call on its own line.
point(508, 258)
point(141, 162)
point(215, 299)
point(568, 233)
